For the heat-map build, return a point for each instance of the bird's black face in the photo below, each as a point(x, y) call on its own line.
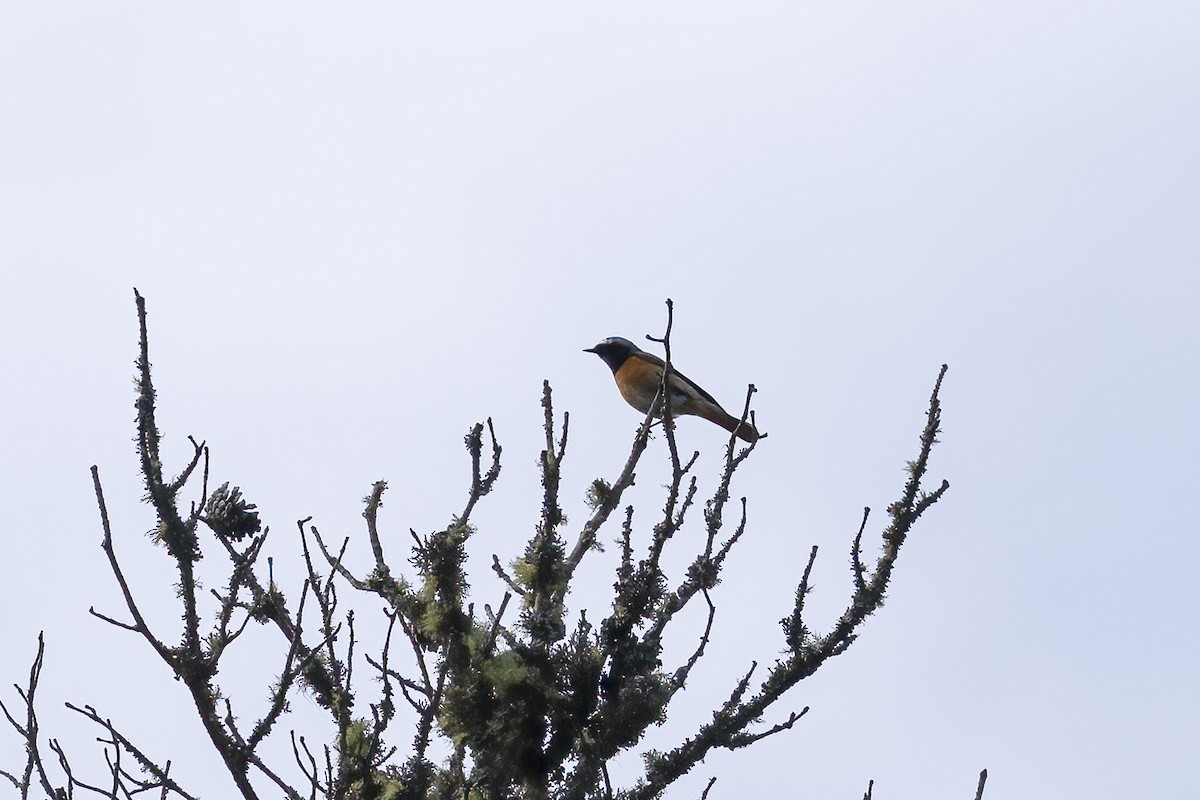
point(614, 351)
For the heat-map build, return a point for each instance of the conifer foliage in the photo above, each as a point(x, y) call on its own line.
point(524, 700)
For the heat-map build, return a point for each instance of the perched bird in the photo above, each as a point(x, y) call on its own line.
point(639, 376)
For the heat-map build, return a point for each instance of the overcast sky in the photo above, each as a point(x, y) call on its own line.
point(361, 230)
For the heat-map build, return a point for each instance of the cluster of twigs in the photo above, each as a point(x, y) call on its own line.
point(532, 706)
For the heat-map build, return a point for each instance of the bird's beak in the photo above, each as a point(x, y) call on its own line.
point(589, 349)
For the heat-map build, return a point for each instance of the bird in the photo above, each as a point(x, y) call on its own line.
point(639, 377)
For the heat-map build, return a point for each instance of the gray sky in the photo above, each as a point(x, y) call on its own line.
point(360, 231)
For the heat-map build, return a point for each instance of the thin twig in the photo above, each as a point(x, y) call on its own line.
point(979, 788)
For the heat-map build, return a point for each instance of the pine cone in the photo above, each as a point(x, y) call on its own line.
point(229, 516)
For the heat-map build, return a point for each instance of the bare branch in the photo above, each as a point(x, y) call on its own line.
point(373, 501)
point(30, 731)
point(680, 677)
point(498, 568)
point(491, 642)
point(979, 787)
point(743, 739)
point(139, 622)
point(856, 564)
point(159, 776)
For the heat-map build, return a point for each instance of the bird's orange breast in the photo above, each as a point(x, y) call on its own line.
point(638, 381)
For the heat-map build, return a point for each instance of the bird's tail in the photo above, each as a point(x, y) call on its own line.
point(744, 430)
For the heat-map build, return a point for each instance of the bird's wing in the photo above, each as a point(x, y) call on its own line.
point(691, 384)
